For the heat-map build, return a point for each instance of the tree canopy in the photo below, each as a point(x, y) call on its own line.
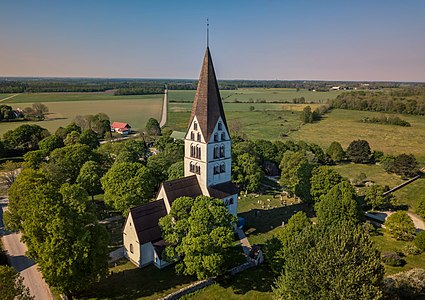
point(246, 172)
point(12, 286)
point(152, 127)
point(375, 198)
point(359, 151)
point(400, 226)
point(89, 178)
point(323, 178)
point(25, 138)
point(199, 231)
point(335, 152)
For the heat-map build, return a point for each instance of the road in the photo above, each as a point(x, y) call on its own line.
point(28, 269)
point(164, 110)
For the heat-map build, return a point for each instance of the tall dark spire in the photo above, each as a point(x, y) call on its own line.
point(208, 33)
point(207, 106)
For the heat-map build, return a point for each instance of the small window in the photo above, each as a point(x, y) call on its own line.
point(215, 137)
point(216, 152)
point(131, 248)
point(192, 167)
point(195, 126)
point(198, 152)
point(192, 151)
point(222, 151)
point(192, 135)
point(222, 168)
point(216, 169)
point(198, 169)
point(223, 136)
point(220, 126)
point(199, 137)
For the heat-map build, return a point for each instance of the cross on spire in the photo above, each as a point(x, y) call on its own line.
point(208, 33)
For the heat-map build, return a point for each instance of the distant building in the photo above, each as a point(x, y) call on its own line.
point(207, 170)
point(121, 128)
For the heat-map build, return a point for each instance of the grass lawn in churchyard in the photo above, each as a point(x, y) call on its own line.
point(344, 126)
point(385, 243)
point(251, 284)
point(135, 110)
point(130, 282)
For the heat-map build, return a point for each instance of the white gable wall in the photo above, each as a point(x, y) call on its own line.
point(130, 238)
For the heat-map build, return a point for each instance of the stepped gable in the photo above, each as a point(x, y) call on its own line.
point(207, 105)
point(186, 186)
point(146, 220)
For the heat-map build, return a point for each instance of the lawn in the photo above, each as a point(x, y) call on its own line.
point(409, 195)
point(252, 284)
point(129, 282)
point(385, 243)
point(135, 110)
point(344, 126)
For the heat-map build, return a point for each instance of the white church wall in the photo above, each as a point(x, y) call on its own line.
point(131, 242)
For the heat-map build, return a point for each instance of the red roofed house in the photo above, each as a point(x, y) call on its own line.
point(122, 128)
point(207, 170)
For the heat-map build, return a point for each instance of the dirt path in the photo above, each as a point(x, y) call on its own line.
point(7, 98)
point(164, 110)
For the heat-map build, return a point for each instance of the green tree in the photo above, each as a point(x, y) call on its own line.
point(152, 127)
point(283, 238)
point(127, 185)
point(201, 237)
point(246, 172)
point(420, 241)
point(338, 205)
point(72, 138)
point(33, 159)
point(306, 115)
point(89, 137)
point(322, 180)
point(335, 152)
point(50, 143)
point(336, 262)
point(421, 207)
point(12, 285)
point(176, 170)
point(359, 151)
point(131, 151)
point(25, 138)
point(63, 132)
point(405, 165)
point(296, 170)
point(400, 226)
point(375, 198)
point(89, 178)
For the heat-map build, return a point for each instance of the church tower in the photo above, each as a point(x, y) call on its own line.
point(208, 152)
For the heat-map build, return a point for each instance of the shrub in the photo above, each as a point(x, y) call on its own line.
point(420, 241)
point(411, 249)
point(392, 259)
point(400, 226)
point(405, 285)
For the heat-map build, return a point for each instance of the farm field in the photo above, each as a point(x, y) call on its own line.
point(135, 110)
point(344, 126)
point(259, 94)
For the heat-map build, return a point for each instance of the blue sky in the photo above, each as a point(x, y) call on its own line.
point(324, 40)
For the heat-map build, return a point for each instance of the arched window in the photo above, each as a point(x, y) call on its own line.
point(216, 137)
point(216, 152)
point(192, 135)
point(216, 169)
point(198, 152)
point(222, 168)
point(220, 126)
point(192, 167)
point(221, 150)
point(192, 150)
point(131, 248)
point(198, 169)
point(195, 126)
point(223, 136)
point(199, 137)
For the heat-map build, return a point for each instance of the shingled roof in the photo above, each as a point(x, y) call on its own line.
point(207, 106)
point(223, 190)
point(146, 218)
point(186, 186)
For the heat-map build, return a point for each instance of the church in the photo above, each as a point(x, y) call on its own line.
point(207, 171)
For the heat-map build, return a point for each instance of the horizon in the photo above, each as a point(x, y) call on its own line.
point(362, 41)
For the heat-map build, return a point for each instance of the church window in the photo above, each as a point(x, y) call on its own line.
point(220, 126)
point(198, 152)
point(222, 151)
point(192, 150)
point(195, 126)
point(199, 137)
point(192, 135)
point(230, 201)
point(192, 167)
point(131, 248)
point(222, 168)
point(198, 169)
point(216, 152)
point(216, 169)
point(223, 136)
point(215, 137)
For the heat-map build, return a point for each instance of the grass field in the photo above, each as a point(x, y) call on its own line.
point(260, 94)
point(63, 108)
point(344, 126)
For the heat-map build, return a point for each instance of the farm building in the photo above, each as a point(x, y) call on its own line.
point(122, 128)
point(207, 170)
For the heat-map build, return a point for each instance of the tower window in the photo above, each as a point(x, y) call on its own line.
point(192, 167)
point(216, 152)
point(198, 152)
point(222, 151)
point(131, 248)
point(220, 126)
point(215, 137)
point(195, 126)
point(223, 136)
point(199, 137)
point(192, 135)
point(216, 169)
point(222, 168)
point(198, 169)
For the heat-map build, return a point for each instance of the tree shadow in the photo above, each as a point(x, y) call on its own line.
point(21, 262)
point(260, 221)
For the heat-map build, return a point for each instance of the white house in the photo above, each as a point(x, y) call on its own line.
point(207, 171)
point(121, 128)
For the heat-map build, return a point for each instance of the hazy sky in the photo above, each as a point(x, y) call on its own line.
point(325, 40)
